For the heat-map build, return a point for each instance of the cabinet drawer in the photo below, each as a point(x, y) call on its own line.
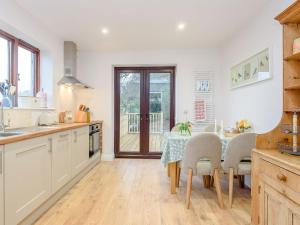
point(286, 182)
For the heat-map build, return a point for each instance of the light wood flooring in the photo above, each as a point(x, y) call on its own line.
point(137, 192)
point(131, 142)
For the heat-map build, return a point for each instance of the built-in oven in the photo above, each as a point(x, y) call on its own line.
point(94, 138)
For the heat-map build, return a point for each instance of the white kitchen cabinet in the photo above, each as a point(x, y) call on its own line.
point(27, 177)
point(79, 150)
point(1, 187)
point(61, 160)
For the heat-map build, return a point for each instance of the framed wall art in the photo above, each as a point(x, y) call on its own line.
point(251, 70)
point(202, 85)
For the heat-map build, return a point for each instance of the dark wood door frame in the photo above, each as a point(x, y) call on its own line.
point(144, 125)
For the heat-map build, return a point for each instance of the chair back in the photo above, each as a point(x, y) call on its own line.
point(237, 149)
point(211, 128)
point(202, 146)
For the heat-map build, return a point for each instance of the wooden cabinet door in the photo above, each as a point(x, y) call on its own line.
point(79, 150)
point(273, 208)
point(1, 187)
point(61, 160)
point(294, 217)
point(293, 212)
point(27, 177)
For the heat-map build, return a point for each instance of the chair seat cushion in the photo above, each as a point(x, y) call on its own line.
point(204, 167)
point(244, 168)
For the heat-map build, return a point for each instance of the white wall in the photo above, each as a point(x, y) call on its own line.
point(18, 22)
point(261, 103)
point(96, 69)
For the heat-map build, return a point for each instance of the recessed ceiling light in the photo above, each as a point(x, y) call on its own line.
point(181, 26)
point(104, 30)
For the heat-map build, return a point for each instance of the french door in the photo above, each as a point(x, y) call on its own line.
point(144, 109)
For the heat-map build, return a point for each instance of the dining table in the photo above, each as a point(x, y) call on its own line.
point(172, 148)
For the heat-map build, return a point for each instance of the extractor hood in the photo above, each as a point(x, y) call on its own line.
point(70, 64)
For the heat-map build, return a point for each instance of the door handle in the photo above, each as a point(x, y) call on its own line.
point(141, 117)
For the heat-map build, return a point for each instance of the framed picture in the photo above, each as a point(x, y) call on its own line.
point(200, 110)
point(251, 70)
point(202, 86)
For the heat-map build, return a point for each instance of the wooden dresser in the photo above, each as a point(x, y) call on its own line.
point(275, 188)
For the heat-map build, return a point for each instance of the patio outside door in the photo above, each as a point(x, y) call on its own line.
point(144, 109)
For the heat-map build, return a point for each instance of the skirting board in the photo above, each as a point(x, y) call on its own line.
point(107, 157)
point(58, 195)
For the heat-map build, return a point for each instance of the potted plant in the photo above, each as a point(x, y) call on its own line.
point(184, 127)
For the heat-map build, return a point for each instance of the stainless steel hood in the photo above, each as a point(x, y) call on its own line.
point(70, 66)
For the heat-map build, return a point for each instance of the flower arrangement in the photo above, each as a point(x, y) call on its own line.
point(243, 125)
point(184, 127)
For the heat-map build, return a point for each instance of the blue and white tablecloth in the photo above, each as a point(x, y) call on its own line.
point(173, 145)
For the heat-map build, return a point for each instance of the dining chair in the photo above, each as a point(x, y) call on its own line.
point(238, 149)
point(202, 156)
point(211, 128)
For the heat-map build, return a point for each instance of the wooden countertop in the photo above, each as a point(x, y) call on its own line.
point(284, 160)
point(33, 134)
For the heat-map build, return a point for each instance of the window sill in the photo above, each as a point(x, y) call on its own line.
point(28, 108)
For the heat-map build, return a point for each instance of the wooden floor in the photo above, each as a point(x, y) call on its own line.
point(130, 142)
point(136, 192)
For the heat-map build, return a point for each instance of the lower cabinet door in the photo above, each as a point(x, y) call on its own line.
point(27, 177)
point(79, 150)
point(61, 160)
point(1, 187)
point(273, 207)
point(294, 217)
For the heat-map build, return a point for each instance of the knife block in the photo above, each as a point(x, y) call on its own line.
point(82, 117)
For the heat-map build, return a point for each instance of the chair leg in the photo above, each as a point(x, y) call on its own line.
point(169, 173)
point(241, 179)
point(206, 181)
point(231, 176)
point(178, 176)
point(218, 187)
point(212, 181)
point(189, 188)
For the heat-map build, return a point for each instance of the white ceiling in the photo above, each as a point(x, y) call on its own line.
point(144, 24)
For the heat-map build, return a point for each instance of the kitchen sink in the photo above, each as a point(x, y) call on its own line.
point(8, 134)
point(31, 129)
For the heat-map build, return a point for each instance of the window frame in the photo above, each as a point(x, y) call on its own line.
point(13, 60)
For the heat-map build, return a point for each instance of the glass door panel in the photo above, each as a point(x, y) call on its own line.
point(144, 109)
point(130, 112)
point(159, 108)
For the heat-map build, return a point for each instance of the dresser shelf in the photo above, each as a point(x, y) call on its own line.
point(293, 87)
point(295, 57)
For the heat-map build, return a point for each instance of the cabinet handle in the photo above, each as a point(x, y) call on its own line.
point(1, 163)
point(63, 135)
point(75, 136)
point(281, 177)
point(50, 149)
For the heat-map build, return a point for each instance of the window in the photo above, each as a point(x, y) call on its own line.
point(4, 59)
point(26, 72)
point(19, 64)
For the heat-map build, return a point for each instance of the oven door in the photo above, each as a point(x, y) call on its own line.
point(95, 142)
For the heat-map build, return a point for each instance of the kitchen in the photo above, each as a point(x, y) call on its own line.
point(149, 112)
point(43, 154)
